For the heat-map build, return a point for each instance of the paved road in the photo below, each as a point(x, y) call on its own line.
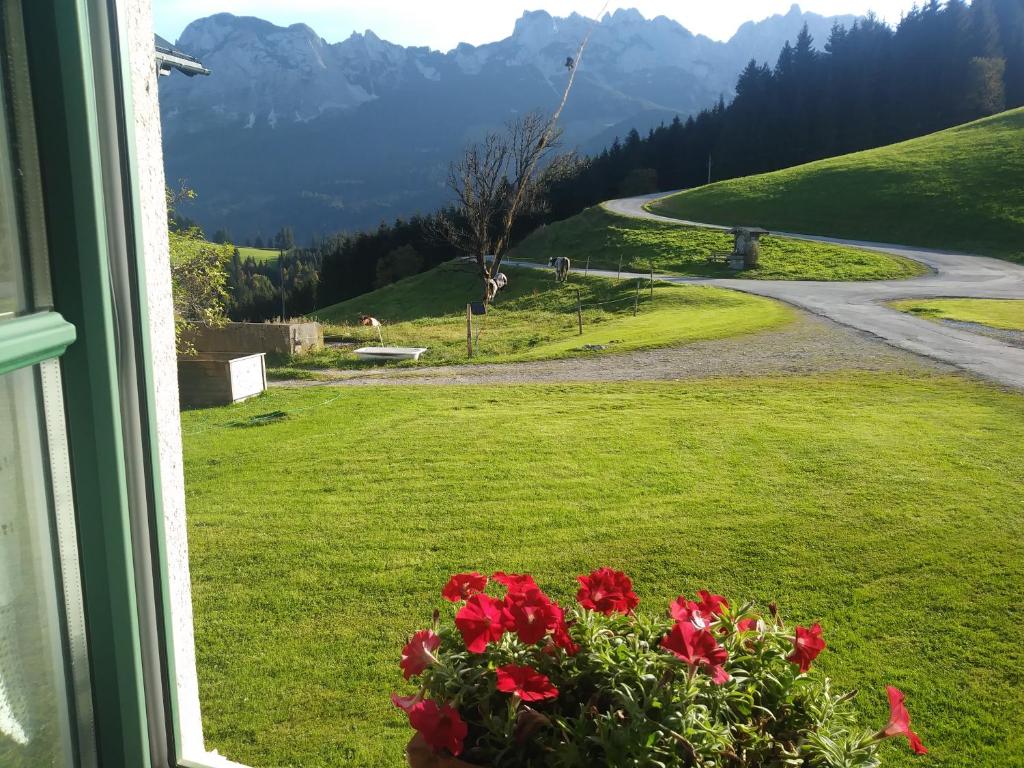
point(860, 305)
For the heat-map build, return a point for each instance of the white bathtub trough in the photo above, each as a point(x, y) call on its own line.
point(390, 353)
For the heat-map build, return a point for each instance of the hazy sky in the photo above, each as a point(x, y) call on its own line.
point(444, 24)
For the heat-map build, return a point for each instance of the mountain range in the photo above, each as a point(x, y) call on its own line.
point(290, 130)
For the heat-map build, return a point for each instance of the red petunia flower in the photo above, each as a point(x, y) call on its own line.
point(806, 647)
point(418, 653)
point(440, 726)
point(698, 648)
point(746, 625)
point(607, 591)
point(560, 634)
point(462, 586)
point(699, 614)
point(682, 609)
point(405, 703)
point(711, 605)
point(530, 614)
point(515, 582)
point(480, 621)
point(526, 683)
point(899, 722)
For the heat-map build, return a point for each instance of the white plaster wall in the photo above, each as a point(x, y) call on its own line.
point(136, 25)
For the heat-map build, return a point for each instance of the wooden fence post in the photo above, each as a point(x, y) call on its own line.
point(619, 276)
point(588, 265)
point(636, 299)
point(579, 311)
point(469, 330)
point(652, 278)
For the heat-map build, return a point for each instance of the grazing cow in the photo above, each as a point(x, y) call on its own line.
point(372, 322)
point(561, 265)
point(502, 280)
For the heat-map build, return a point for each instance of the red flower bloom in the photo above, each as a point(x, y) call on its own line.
point(480, 621)
point(404, 703)
point(564, 640)
point(899, 722)
point(711, 606)
point(441, 727)
point(806, 647)
point(699, 614)
point(682, 609)
point(607, 591)
point(418, 653)
point(560, 633)
point(527, 683)
point(746, 625)
point(530, 614)
point(462, 586)
point(697, 647)
point(515, 581)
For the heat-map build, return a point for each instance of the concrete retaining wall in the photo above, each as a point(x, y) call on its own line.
point(252, 338)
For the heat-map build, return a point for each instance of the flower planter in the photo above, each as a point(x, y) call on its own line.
point(490, 690)
point(422, 756)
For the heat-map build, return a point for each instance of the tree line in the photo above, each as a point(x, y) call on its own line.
point(868, 85)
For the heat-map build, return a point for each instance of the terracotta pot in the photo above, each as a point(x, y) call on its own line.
point(422, 756)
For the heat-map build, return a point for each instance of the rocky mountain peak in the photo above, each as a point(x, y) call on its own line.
point(350, 124)
point(624, 16)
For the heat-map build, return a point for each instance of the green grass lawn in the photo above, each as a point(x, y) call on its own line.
point(887, 507)
point(604, 238)
point(258, 254)
point(533, 319)
point(960, 189)
point(1007, 314)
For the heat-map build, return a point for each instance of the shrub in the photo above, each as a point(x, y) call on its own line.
point(519, 682)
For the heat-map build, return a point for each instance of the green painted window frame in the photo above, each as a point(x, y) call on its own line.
point(99, 330)
point(31, 339)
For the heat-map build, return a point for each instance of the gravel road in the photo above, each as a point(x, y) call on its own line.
point(808, 345)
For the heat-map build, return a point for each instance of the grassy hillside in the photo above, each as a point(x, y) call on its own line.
point(887, 508)
point(534, 318)
point(604, 238)
point(960, 189)
point(258, 254)
point(1006, 314)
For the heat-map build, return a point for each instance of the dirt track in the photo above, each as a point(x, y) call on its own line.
point(808, 345)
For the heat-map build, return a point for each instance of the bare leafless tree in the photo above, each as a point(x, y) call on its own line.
point(501, 178)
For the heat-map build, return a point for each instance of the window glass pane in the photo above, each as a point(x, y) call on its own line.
point(22, 225)
point(35, 716)
point(11, 290)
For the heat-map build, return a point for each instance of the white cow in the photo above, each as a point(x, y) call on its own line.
point(561, 265)
point(502, 280)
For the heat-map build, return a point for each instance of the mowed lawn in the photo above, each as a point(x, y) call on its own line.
point(605, 240)
point(887, 507)
point(535, 318)
point(959, 189)
point(1007, 314)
